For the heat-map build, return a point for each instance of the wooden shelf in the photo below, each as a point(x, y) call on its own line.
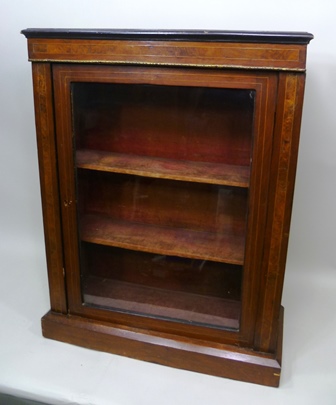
point(201, 172)
point(157, 302)
point(162, 272)
point(219, 247)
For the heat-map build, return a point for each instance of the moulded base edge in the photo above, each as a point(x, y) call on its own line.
point(169, 350)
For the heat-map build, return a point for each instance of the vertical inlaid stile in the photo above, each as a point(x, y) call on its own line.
point(45, 132)
point(286, 140)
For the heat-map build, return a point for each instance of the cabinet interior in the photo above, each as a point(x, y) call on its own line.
point(162, 180)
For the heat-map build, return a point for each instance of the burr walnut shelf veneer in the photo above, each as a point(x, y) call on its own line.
point(167, 164)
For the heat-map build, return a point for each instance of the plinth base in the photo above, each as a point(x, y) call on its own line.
point(214, 359)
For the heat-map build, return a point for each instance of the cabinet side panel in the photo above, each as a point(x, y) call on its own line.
point(284, 159)
point(44, 117)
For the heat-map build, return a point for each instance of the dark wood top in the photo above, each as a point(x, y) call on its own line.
point(276, 37)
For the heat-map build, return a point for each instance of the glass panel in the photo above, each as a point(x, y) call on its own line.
point(162, 191)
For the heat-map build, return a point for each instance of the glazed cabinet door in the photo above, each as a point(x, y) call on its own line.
point(164, 176)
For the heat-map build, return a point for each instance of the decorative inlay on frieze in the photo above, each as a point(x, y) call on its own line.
point(163, 53)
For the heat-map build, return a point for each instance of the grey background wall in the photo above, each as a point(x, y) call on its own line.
point(36, 368)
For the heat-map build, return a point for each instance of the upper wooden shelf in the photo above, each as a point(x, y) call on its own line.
point(200, 172)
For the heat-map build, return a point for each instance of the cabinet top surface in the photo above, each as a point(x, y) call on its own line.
point(280, 37)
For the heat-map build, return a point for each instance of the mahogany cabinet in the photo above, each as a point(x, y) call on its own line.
point(167, 164)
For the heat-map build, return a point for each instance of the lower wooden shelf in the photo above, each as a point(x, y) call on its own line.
point(161, 303)
point(170, 350)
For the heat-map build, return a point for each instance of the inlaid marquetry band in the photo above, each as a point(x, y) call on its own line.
point(167, 64)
